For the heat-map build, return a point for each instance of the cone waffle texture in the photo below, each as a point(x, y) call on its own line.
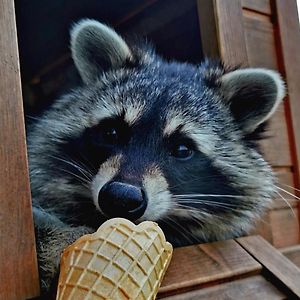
point(119, 261)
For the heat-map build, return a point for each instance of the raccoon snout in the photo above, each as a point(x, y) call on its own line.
point(118, 199)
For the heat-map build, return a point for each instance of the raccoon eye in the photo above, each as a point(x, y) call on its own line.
point(182, 152)
point(111, 135)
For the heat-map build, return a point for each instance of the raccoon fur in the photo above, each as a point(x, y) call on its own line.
point(148, 139)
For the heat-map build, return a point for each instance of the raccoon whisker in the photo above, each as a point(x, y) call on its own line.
point(287, 192)
point(193, 180)
point(197, 213)
point(215, 205)
point(285, 200)
point(89, 163)
point(208, 195)
point(81, 179)
point(84, 172)
point(184, 232)
point(72, 163)
point(193, 200)
point(82, 167)
point(291, 187)
point(212, 203)
point(36, 119)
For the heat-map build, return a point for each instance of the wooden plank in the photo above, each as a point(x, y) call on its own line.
point(260, 41)
point(208, 30)
point(285, 181)
point(288, 33)
point(286, 203)
point(203, 264)
point(253, 288)
point(275, 262)
point(285, 178)
point(293, 254)
point(285, 227)
point(18, 265)
point(263, 228)
point(262, 6)
point(261, 52)
point(276, 146)
point(230, 31)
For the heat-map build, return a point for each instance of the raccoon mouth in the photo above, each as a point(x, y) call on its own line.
point(118, 199)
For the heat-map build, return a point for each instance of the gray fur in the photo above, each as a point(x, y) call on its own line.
point(155, 99)
point(95, 46)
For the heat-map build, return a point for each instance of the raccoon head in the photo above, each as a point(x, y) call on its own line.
point(148, 139)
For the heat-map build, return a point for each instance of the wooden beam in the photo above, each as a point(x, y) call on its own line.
point(288, 32)
point(292, 253)
point(208, 29)
point(261, 6)
point(256, 287)
point(200, 265)
point(18, 263)
point(275, 262)
point(288, 36)
point(230, 31)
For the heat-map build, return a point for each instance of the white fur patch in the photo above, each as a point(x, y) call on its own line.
point(204, 138)
point(159, 197)
point(106, 172)
point(173, 122)
point(134, 112)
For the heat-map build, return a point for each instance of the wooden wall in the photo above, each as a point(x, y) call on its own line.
point(18, 263)
point(264, 49)
point(253, 33)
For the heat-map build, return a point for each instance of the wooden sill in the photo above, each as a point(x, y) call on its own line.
point(245, 268)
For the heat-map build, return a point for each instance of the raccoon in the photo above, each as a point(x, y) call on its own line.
point(148, 139)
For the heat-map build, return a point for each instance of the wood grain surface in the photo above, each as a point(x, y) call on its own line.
point(252, 288)
point(288, 31)
point(262, 6)
point(273, 261)
point(208, 28)
point(293, 254)
point(196, 266)
point(230, 31)
point(18, 265)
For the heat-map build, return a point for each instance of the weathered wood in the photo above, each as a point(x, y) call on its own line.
point(253, 288)
point(286, 203)
point(208, 29)
point(230, 31)
point(262, 6)
point(285, 178)
point(288, 33)
point(260, 42)
point(292, 253)
point(285, 227)
point(276, 146)
point(261, 51)
point(18, 265)
point(263, 227)
point(275, 262)
point(194, 266)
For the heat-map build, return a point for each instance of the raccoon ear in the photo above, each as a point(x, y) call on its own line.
point(253, 95)
point(97, 48)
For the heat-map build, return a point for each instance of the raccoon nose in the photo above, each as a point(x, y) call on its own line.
point(118, 199)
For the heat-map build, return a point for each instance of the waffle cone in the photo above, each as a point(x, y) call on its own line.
point(119, 261)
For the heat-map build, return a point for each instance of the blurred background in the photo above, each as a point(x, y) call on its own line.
point(43, 33)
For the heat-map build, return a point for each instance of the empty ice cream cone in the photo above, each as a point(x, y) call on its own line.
point(119, 261)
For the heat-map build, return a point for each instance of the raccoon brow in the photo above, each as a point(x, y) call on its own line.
point(116, 120)
point(181, 136)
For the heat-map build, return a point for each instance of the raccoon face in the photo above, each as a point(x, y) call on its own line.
point(147, 139)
